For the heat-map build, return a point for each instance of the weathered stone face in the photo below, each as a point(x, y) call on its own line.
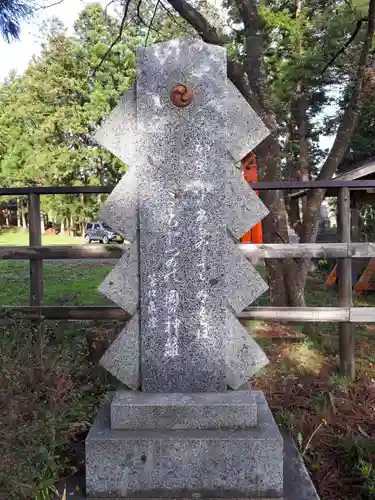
point(183, 205)
point(182, 219)
point(184, 199)
point(181, 463)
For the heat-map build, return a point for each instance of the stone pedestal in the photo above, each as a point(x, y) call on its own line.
point(183, 205)
point(223, 445)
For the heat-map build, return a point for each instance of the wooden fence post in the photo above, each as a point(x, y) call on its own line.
point(35, 239)
point(344, 273)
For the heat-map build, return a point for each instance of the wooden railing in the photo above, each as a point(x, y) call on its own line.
point(345, 251)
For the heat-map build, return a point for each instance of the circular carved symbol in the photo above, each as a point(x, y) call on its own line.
point(181, 95)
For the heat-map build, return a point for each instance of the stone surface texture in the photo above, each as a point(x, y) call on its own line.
point(169, 463)
point(239, 272)
point(182, 218)
point(244, 355)
point(248, 209)
point(119, 136)
point(122, 283)
point(122, 358)
point(139, 410)
point(297, 482)
point(182, 188)
point(246, 127)
point(183, 206)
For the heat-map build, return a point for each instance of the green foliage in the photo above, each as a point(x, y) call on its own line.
point(300, 441)
point(300, 67)
point(50, 391)
point(341, 382)
point(286, 418)
point(362, 144)
point(299, 49)
point(48, 115)
point(360, 453)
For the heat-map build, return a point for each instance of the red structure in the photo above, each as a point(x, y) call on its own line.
point(249, 169)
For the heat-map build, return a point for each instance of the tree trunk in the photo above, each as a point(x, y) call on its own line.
point(64, 226)
point(7, 218)
point(42, 225)
point(19, 210)
point(71, 227)
point(23, 217)
point(51, 217)
point(296, 272)
point(275, 229)
point(287, 279)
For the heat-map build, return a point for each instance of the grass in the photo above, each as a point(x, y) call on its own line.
point(331, 418)
point(51, 387)
point(17, 237)
point(65, 283)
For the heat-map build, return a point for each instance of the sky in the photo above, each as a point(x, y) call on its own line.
point(17, 54)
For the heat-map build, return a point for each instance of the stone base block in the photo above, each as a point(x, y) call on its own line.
point(186, 498)
point(185, 463)
point(297, 482)
point(139, 410)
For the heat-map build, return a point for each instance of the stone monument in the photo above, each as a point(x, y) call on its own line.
point(179, 427)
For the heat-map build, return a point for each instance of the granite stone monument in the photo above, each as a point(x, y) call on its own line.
point(178, 427)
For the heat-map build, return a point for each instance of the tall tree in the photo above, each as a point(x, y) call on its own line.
point(283, 55)
point(49, 114)
point(362, 144)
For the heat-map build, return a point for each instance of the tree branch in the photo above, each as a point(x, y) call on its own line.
point(345, 46)
point(254, 47)
point(349, 4)
point(344, 133)
point(152, 20)
point(108, 4)
point(117, 39)
point(255, 70)
point(351, 115)
point(42, 7)
point(173, 18)
point(140, 18)
point(209, 34)
point(205, 30)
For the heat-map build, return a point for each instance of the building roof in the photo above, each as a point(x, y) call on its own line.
point(361, 170)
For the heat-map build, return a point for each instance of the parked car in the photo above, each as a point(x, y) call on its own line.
point(100, 231)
